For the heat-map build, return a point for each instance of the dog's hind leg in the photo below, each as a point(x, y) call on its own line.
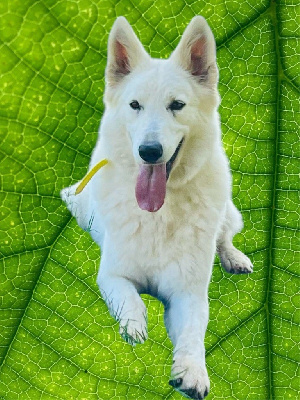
point(232, 260)
point(78, 205)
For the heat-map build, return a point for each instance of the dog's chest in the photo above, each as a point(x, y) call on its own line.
point(187, 220)
point(158, 238)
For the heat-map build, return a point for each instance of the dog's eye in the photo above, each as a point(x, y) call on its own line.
point(176, 105)
point(135, 105)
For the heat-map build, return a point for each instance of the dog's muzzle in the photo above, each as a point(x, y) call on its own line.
point(150, 189)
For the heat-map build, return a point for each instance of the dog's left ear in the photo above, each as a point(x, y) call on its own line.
point(196, 51)
point(124, 53)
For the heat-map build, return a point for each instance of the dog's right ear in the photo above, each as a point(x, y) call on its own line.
point(125, 52)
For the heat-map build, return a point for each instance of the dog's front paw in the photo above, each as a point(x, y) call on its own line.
point(134, 330)
point(190, 378)
point(235, 262)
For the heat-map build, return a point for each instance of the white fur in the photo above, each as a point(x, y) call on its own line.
point(169, 253)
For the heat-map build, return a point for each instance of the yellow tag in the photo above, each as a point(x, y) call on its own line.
point(89, 175)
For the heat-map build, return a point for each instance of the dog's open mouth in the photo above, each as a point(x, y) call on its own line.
point(170, 163)
point(150, 190)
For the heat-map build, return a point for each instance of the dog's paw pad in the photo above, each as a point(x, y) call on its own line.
point(193, 393)
point(175, 382)
point(235, 262)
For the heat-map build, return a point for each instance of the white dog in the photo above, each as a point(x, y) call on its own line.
point(162, 205)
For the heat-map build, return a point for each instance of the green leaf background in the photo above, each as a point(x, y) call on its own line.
point(57, 340)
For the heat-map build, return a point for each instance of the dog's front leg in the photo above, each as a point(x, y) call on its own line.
point(121, 296)
point(125, 305)
point(186, 319)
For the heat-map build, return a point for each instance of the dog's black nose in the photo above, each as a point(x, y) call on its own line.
point(150, 151)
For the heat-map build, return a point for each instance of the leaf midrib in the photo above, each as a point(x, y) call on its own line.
point(273, 14)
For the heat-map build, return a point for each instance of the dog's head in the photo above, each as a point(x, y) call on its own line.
point(164, 106)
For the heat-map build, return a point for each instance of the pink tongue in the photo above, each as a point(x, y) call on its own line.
point(150, 187)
